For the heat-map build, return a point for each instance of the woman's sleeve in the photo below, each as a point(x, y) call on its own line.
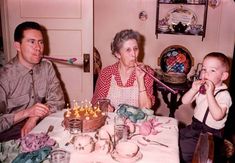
point(149, 84)
point(102, 86)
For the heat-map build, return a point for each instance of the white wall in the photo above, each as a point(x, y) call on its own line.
point(111, 16)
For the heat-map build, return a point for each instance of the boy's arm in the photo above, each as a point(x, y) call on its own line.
point(189, 96)
point(218, 112)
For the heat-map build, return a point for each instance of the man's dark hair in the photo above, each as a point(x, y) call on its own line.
point(19, 31)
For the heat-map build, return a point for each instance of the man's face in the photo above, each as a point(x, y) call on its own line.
point(31, 48)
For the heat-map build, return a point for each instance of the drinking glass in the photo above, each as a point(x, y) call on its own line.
point(120, 129)
point(59, 156)
point(104, 104)
point(75, 126)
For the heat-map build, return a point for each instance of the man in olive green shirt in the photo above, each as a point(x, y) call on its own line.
point(29, 88)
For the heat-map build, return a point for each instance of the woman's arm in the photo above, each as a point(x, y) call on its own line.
point(145, 85)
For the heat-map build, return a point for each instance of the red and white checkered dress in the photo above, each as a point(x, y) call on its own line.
point(109, 85)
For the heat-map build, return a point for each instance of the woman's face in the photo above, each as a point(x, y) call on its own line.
point(128, 53)
point(213, 70)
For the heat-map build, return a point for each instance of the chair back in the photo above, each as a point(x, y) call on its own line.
point(204, 151)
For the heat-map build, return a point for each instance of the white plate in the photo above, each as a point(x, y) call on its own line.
point(134, 159)
point(183, 15)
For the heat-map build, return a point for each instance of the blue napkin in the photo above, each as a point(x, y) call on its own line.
point(133, 113)
point(33, 157)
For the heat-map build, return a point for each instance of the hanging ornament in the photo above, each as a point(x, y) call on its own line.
point(214, 3)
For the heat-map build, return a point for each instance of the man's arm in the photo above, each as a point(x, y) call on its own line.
point(29, 125)
point(54, 93)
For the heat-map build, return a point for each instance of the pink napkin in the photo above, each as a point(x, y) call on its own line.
point(149, 127)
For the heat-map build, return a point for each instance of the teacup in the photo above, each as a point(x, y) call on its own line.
point(59, 155)
point(84, 144)
point(103, 146)
point(127, 149)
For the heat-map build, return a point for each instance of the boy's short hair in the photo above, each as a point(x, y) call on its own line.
point(222, 57)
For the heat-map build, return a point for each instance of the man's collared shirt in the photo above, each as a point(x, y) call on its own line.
point(21, 88)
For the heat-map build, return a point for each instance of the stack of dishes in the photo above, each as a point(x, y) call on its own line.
point(195, 29)
point(164, 28)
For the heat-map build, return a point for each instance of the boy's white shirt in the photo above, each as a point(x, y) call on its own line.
point(223, 99)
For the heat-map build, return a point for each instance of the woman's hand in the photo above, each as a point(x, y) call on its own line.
point(139, 73)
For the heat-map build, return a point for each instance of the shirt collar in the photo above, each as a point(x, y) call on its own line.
point(24, 70)
point(223, 86)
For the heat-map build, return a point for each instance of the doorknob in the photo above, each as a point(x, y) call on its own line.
point(86, 62)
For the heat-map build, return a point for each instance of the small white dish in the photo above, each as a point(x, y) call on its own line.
point(121, 159)
point(127, 149)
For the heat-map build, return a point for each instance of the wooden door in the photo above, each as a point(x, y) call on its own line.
point(69, 25)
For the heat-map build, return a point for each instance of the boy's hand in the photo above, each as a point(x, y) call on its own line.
point(210, 87)
point(197, 84)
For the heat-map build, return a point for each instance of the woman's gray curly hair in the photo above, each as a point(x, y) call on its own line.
point(123, 36)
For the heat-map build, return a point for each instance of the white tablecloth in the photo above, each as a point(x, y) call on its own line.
point(168, 134)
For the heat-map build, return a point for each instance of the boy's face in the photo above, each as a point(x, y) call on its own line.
point(31, 48)
point(213, 70)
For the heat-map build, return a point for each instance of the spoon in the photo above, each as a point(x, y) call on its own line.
point(71, 141)
point(148, 140)
point(131, 136)
point(50, 128)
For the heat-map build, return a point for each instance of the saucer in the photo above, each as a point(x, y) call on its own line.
point(134, 159)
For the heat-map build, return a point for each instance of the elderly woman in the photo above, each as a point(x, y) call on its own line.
point(124, 82)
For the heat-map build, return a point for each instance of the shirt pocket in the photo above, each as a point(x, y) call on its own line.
point(18, 102)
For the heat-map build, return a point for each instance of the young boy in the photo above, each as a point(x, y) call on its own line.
point(212, 103)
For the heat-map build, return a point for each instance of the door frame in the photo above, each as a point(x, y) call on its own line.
point(5, 33)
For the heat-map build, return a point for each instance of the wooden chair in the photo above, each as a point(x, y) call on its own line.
point(204, 151)
point(229, 149)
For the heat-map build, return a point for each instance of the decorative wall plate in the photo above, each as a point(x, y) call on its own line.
point(175, 59)
point(181, 14)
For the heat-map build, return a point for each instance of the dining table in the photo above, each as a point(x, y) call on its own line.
point(167, 134)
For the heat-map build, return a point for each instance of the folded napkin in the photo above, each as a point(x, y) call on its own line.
point(33, 157)
point(149, 127)
point(133, 113)
point(9, 150)
point(34, 141)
